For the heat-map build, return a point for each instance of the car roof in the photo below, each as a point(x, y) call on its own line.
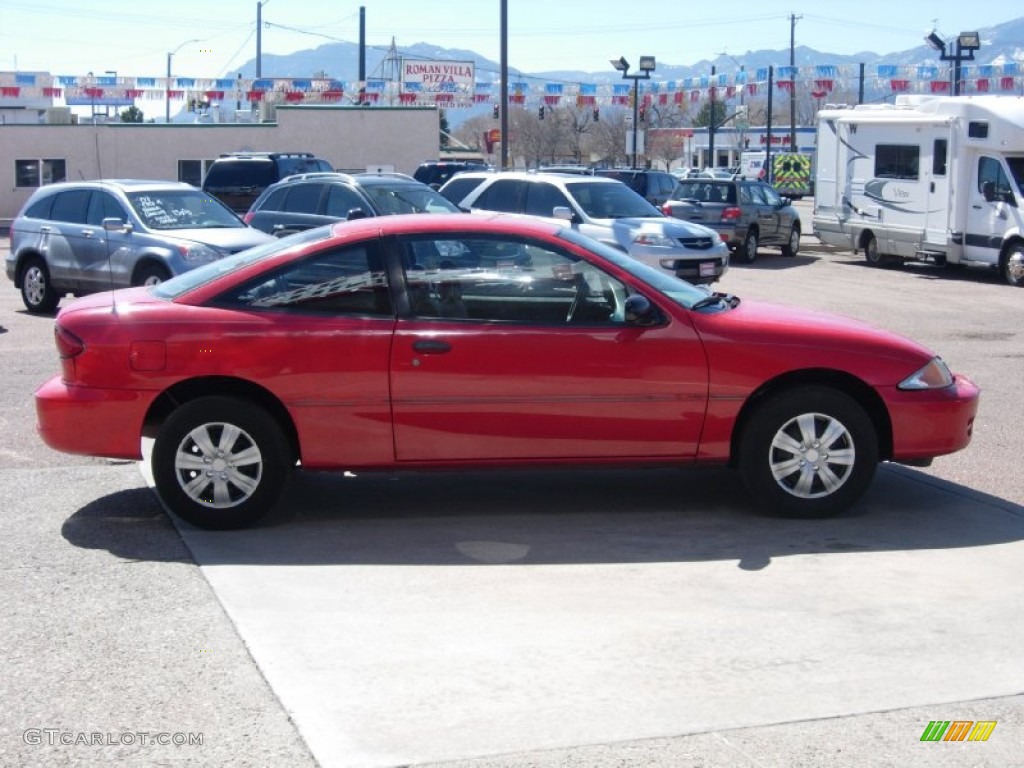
point(545, 176)
point(359, 179)
point(411, 223)
point(126, 185)
point(386, 179)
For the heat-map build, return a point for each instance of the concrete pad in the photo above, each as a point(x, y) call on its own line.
point(415, 618)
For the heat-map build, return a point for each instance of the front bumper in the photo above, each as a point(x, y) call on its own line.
point(929, 423)
point(696, 270)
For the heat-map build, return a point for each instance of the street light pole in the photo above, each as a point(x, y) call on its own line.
point(647, 65)
point(963, 49)
point(167, 90)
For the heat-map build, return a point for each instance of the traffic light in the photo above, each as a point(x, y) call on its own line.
point(540, 113)
point(597, 114)
point(496, 112)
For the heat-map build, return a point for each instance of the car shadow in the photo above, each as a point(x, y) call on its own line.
point(551, 517)
point(773, 261)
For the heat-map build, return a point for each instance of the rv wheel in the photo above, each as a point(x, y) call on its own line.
point(1012, 265)
point(871, 254)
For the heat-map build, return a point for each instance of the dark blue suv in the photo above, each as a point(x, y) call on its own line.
point(310, 200)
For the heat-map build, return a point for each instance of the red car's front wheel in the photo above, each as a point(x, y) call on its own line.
point(809, 452)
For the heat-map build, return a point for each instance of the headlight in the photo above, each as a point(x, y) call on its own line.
point(654, 238)
point(198, 253)
point(935, 375)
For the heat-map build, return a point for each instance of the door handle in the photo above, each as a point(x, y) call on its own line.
point(431, 347)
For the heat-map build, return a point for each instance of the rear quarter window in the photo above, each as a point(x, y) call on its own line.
point(41, 208)
point(457, 189)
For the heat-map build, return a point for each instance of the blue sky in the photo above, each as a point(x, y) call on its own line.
point(212, 38)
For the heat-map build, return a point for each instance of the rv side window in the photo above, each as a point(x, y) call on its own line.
point(939, 157)
point(895, 161)
point(977, 130)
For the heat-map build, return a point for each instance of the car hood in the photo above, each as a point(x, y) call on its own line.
point(664, 225)
point(795, 337)
point(225, 238)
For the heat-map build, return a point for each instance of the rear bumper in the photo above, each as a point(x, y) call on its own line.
point(91, 422)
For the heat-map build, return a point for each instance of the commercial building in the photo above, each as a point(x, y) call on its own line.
point(351, 138)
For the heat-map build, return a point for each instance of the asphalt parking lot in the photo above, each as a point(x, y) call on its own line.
point(531, 618)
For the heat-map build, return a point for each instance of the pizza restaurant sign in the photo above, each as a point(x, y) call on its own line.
point(428, 76)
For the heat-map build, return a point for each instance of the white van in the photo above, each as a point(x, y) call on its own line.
point(753, 166)
point(937, 178)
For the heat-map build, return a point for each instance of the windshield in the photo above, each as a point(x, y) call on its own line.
point(602, 200)
point(407, 198)
point(681, 292)
point(1017, 169)
point(182, 209)
point(187, 281)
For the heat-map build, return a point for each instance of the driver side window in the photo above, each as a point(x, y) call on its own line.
point(505, 280)
point(989, 169)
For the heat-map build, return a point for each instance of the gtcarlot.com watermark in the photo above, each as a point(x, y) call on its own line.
point(53, 737)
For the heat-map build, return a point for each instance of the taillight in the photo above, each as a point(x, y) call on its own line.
point(68, 345)
point(731, 214)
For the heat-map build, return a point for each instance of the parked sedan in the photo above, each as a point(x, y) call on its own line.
point(746, 214)
point(88, 236)
point(454, 341)
point(602, 208)
point(311, 200)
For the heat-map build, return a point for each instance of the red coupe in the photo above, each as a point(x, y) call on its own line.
point(451, 341)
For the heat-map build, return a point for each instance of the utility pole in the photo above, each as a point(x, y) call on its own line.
point(792, 92)
point(711, 121)
point(503, 11)
point(362, 46)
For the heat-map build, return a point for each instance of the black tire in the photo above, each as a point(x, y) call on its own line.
point(784, 465)
point(151, 274)
point(1011, 265)
point(37, 291)
point(792, 245)
point(235, 438)
point(748, 251)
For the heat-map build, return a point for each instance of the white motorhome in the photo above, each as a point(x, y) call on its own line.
point(937, 178)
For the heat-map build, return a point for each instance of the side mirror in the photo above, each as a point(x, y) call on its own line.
point(563, 212)
point(355, 213)
point(640, 311)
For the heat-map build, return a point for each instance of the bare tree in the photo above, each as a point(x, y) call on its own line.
point(607, 137)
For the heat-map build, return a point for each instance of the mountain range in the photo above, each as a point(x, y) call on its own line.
point(1000, 44)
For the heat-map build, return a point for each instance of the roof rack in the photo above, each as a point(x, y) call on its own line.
point(387, 174)
point(320, 175)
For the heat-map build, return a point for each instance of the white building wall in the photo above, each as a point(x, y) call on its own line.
point(350, 138)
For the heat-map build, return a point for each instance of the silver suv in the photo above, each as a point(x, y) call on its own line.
point(89, 236)
point(603, 209)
